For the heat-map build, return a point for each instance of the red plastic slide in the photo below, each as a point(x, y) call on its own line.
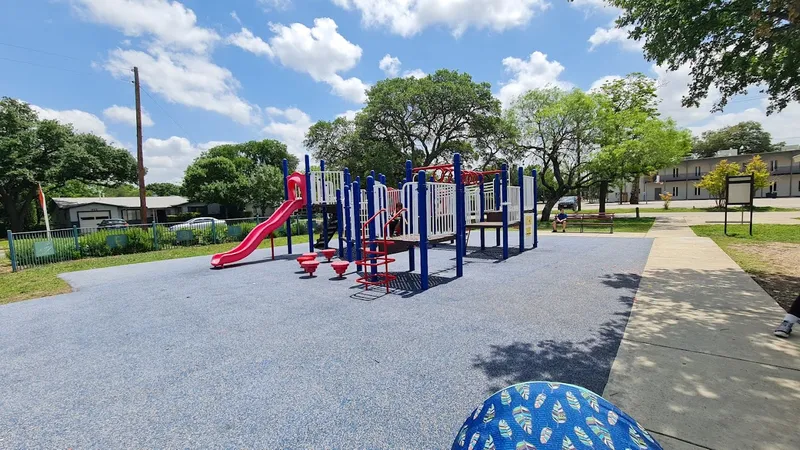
point(263, 230)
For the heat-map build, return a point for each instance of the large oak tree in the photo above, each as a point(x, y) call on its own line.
point(36, 151)
point(731, 45)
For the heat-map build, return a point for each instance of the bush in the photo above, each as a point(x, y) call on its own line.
point(667, 197)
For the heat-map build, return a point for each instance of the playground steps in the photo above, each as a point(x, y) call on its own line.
point(375, 259)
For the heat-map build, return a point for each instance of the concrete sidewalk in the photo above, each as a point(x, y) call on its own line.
point(698, 364)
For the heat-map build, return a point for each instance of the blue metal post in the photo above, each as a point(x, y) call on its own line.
point(348, 232)
point(482, 211)
point(357, 219)
point(498, 200)
point(286, 198)
point(371, 227)
point(521, 176)
point(324, 207)
point(460, 213)
point(339, 219)
point(535, 209)
point(409, 171)
point(423, 230)
point(372, 174)
point(309, 211)
point(12, 253)
point(505, 210)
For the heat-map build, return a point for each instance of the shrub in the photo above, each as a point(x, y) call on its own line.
point(667, 197)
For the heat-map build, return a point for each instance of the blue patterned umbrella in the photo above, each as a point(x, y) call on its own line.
point(539, 415)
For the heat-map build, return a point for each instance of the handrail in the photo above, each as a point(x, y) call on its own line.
point(374, 216)
point(389, 222)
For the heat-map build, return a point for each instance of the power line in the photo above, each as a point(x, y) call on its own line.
point(45, 66)
point(82, 73)
point(166, 113)
point(39, 51)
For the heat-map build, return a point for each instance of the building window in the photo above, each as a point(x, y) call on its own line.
point(675, 191)
point(773, 165)
point(773, 187)
point(696, 191)
point(697, 171)
point(675, 172)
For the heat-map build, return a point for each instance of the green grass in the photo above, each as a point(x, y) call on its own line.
point(621, 225)
point(43, 281)
point(684, 210)
point(740, 234)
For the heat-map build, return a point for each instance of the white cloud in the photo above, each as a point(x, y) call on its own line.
point(612, 34)
point(408, 17)
point(185, 78)
point(123, 114)
point(270, 5)
point(320, 51)
point(350, 114)
point(416, 73)
point(782, 126)
point(591, 6)
point(672, 86)
point(81, 121)
point(390, 65)
point(246, 40)
point(235, 17)
point(289, 126)
point(535, 72)
point(169, 22)
point(166, 159)
point(599, 83)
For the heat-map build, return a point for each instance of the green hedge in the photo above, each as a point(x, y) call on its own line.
point(138, 240)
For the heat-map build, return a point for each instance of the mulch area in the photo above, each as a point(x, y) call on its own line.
point(782, 282)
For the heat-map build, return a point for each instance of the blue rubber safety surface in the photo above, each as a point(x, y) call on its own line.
point(173, 354)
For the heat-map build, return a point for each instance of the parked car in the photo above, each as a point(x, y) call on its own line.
point(112, 224)
point(198, 223)
point(568, 203)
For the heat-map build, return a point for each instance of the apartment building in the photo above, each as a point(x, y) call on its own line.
point(680, 180)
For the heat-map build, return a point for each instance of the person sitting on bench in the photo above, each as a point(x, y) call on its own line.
point(396, 225)
point(561, 218)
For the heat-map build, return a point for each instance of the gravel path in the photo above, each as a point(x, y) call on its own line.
point(174, 355)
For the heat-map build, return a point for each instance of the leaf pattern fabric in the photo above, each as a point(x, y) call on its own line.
point(541, 415)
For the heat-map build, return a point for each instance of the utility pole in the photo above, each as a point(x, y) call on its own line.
point(139, 154)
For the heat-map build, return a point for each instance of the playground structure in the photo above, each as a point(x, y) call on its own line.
point(433, 204)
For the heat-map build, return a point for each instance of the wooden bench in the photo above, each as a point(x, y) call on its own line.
point(592, 220)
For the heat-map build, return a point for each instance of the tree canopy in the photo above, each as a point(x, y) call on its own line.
point(730, 45)
point(427, 119)
point(744, 137)
point(633, 140)
point(237, 175)
point(44, 151)
point(163, 189)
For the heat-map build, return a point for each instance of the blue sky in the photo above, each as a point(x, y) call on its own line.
point(230, 71)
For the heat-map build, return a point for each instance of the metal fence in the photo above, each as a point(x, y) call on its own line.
point(37, 248)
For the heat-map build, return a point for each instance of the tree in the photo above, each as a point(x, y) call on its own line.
point(424, 117)
point(744, 137)
point(730, 45)
point(163, 189)
point(715, 181)
point(249, 155)
point(758, 168)
point(266, 188)
point(341, 144)
point(43, 151)
point(557, 130)
point(216, 180)
point(633, 140)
